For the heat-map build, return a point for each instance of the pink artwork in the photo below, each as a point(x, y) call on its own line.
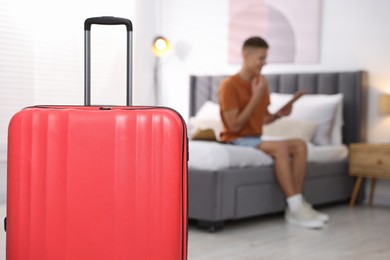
point(291, 27)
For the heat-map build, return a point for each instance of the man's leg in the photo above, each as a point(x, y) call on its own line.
point(280, 152)
point(290, 175)
point(298, 151)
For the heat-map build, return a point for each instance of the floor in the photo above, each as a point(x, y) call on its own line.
point(359, 233)
point(362, 232)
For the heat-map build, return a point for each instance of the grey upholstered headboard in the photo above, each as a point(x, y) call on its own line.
point(352, 84)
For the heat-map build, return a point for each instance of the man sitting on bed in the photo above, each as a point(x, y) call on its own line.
point(244, 99)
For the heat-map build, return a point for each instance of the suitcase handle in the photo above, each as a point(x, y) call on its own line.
point(106, 20)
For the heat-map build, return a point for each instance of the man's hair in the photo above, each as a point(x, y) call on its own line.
point(255, 42)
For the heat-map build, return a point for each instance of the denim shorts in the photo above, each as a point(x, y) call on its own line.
point(250, 141)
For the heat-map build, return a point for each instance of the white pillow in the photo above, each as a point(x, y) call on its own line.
point(337, 132)
point(288, 129)
point(208, 117)
point(324, 110)
point(209, 110)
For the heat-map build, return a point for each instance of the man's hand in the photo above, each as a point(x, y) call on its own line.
point(285, 111)
point(258, 85)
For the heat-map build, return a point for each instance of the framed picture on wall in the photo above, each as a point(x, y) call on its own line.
point(291, 27)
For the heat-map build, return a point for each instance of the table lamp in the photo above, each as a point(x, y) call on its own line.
point(384, 104)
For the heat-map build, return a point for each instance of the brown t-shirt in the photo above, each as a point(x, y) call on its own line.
point(235, 93)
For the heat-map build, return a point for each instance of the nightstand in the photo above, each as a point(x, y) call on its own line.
point(368, 160)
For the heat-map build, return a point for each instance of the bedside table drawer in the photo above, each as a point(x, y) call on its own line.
point(370, 159)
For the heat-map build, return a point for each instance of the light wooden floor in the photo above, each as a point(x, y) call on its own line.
point(359, 233)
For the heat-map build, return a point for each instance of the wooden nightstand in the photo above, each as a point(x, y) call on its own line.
point(368, 160)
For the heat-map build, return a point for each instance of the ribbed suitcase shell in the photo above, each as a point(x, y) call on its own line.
point(86, 183)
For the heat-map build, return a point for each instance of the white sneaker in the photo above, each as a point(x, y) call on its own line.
point(321, 216)
point(303, 217)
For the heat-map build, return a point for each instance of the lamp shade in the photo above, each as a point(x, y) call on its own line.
point(160, 46)
point(384, 104)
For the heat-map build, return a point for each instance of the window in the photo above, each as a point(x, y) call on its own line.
point(42, 55)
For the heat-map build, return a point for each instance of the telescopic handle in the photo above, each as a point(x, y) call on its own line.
point(106, 20)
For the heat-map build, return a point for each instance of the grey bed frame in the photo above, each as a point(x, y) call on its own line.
point(216, 196)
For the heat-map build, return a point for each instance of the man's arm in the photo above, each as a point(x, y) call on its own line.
point(269, 118)
point(236, 119)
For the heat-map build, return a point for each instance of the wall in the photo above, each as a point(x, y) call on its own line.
point(353, 36)
point(145, 27)
point(45, 66)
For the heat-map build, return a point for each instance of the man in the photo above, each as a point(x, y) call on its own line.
point(244, 99)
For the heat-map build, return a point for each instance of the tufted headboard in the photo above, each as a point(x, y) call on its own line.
point(352, 84)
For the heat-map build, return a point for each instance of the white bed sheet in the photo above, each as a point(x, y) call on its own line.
point(216, 156)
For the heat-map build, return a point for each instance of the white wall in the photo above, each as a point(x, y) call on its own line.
point(46, 64)
point(144, 32)
point(354, 35)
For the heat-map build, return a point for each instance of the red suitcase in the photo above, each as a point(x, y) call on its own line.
point(94, 182)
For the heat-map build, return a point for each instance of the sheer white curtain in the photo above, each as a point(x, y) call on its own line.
point(41, 54)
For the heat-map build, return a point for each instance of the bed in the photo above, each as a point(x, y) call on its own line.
point(227, 193)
